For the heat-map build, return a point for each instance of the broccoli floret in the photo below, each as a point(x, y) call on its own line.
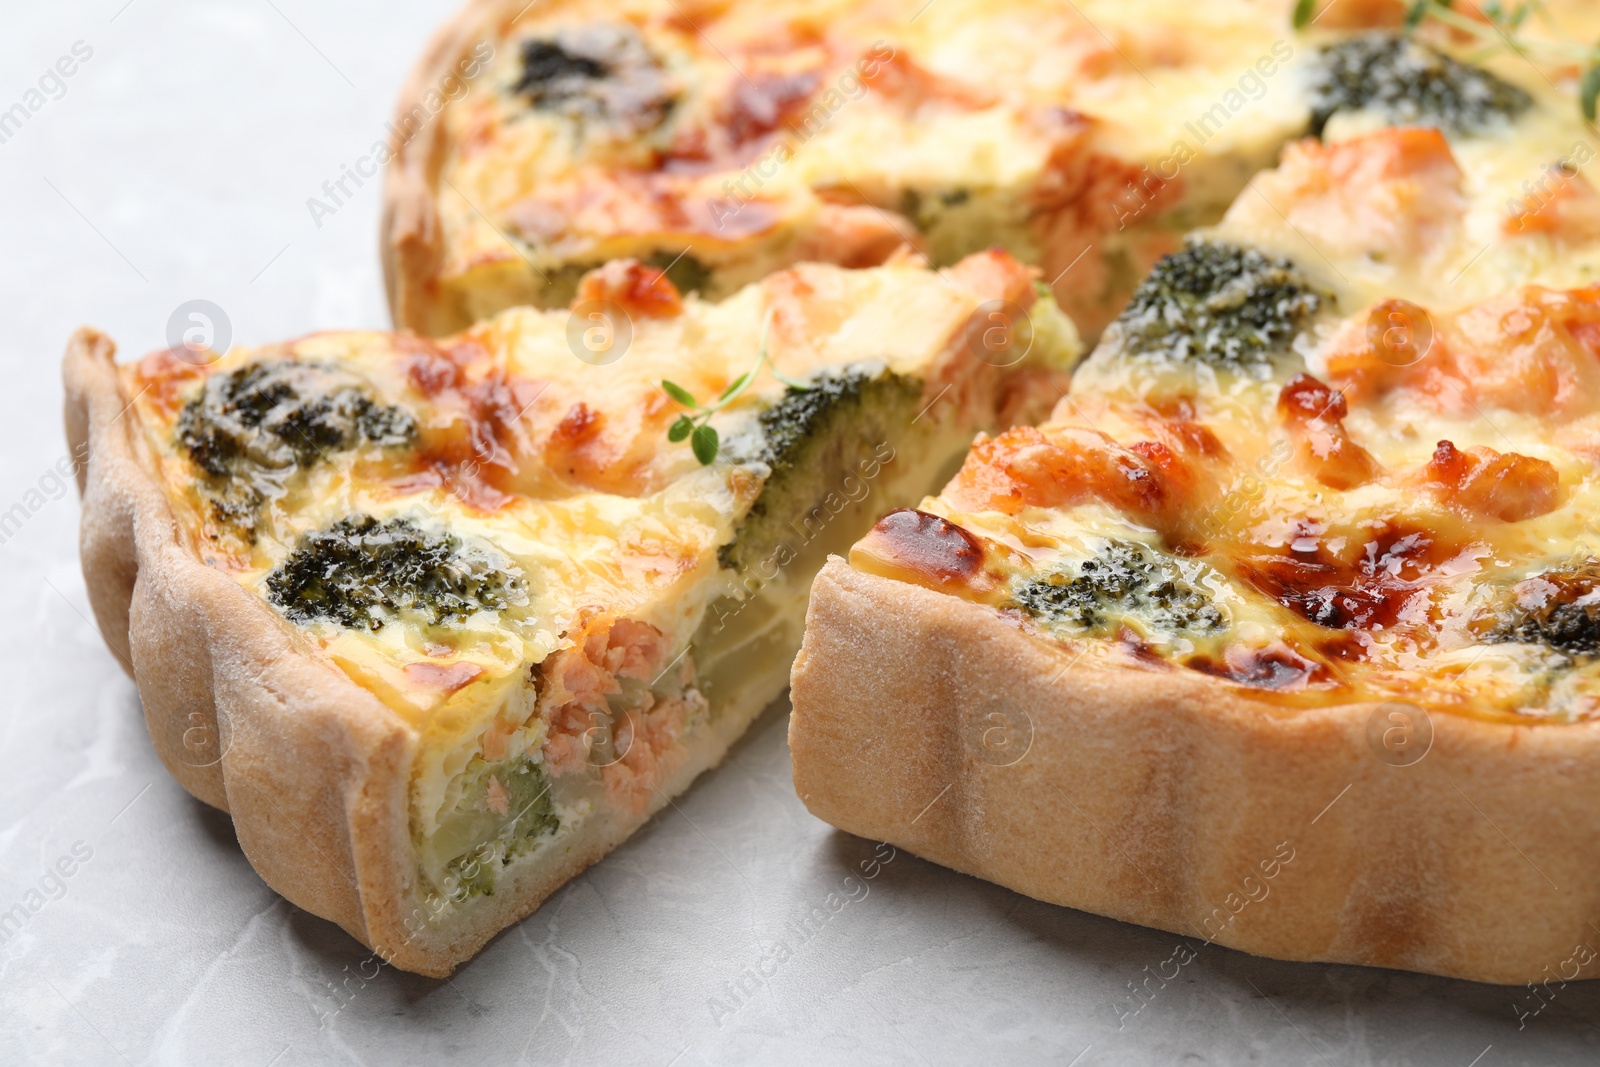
point(1126, 578)
point(956, 221)
point(1227, 306)
point(795, 419)
point(550, 71)
point(281, 413)
point(1410, 84)
point(361, 573)
point(559, 284)
point(685, 272)
point(248, 430)
point(472, 874)
point(1559, 609)
point(812, 439)
point(925, 209)
point(600, 71)
point(529, 815)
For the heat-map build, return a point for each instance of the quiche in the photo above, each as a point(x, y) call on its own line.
point(721, 141)
point(439, 623)
point(1283, 631)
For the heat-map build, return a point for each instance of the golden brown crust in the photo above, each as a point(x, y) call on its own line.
point(302, 758)
point(410, 242)
point(1165, 797)
point(314, 769)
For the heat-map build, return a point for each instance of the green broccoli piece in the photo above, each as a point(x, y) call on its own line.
point(361, 573)
point(1125, 579)
point(278, 413)
point(249, 430)
point(1230, 307)
point(926, 209)
point(530, 815)
point(599, 70)
point(559, 285)
point(1559, 609)
point(551, 72)
point(1410, 84)
point(799, 417)
point(686, 273)
point(812, 439)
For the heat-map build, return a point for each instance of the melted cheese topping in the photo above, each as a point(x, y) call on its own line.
point(1437, 221)
point(535, 460)
point(746, 137)
point(731, 140)
point(1397, 505)
point(564, 464)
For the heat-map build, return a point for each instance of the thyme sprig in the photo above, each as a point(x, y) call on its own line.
point(695, 422)
point(1500, 32)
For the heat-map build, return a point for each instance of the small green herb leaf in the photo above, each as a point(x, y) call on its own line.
point(1589, 90)
point(1416, 13)
point(704, 442)
point(1303, 10)
point(680, 394)
point(702, 438)
point(793, 383)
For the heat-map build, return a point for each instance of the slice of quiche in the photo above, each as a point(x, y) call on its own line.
point(1284, 631)
point(441, 623)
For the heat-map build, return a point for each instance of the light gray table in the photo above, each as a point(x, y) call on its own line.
point(176, 164)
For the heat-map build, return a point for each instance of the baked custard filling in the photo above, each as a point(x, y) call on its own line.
point(1086, 138)
point(576, 575)
point(1076, 136)
point(1302, 462)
